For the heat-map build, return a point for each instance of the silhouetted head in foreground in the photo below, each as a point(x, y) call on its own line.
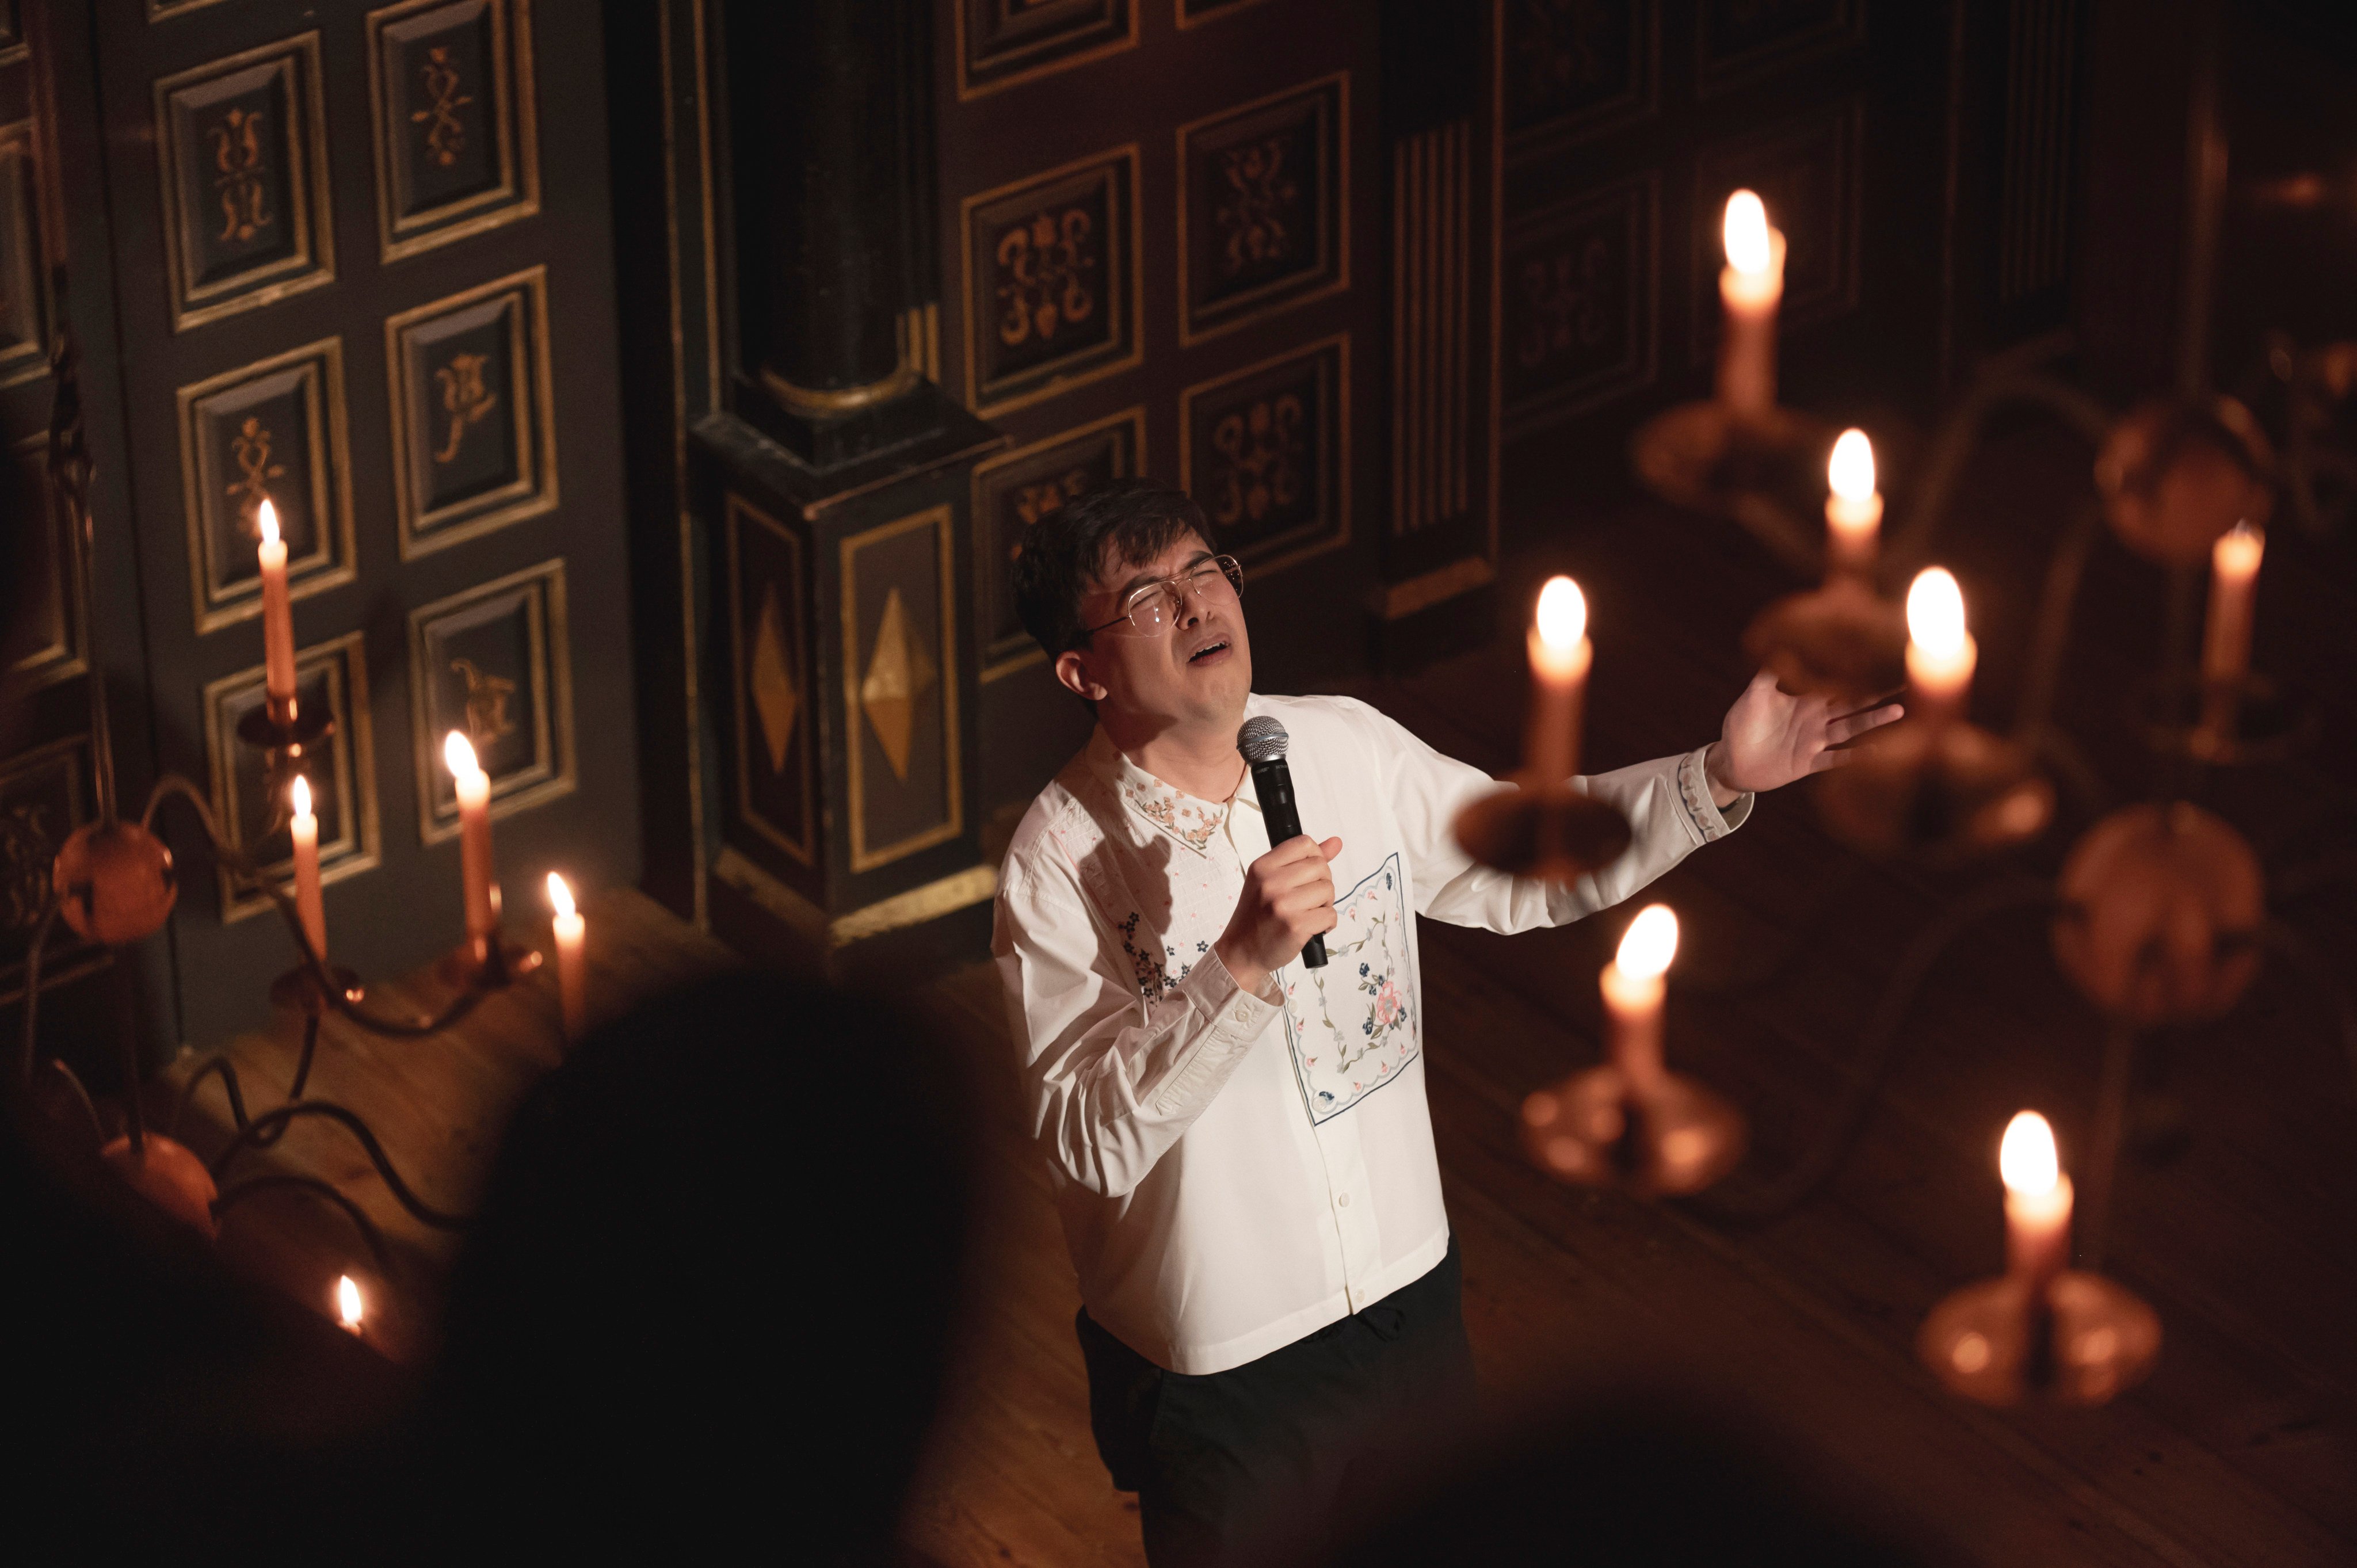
point(711, 1285)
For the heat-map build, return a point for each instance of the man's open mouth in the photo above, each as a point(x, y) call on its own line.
point(1207, 650)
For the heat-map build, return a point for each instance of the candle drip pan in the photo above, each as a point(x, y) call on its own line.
point(2157, 914)
point(1843, 640)
point(1945, 794)
point(2243, 722)
point(1556, 834)
point(2084, 1342)
point(1598, 1129)
point(1764, 471)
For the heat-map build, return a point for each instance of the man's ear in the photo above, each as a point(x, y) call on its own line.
point(1073, 671)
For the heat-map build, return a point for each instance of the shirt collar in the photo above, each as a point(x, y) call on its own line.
point(1185, 819)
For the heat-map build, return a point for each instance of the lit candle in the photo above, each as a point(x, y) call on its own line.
point(1560, 654)
point(1854, 509)
point(1940, 652)
point(2234, 576)
point(572, 997)
point(474, 788)
point(1750, 286)
point(348, 1304)
point(277, 623)
point(305, 827)
point(2037, 1200)
point(1633, 988)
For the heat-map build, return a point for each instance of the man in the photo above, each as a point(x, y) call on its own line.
point(1239, 1144)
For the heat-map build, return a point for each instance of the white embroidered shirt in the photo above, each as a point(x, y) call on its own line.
point(1236, 1171)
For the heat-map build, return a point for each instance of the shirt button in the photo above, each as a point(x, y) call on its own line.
point(1344, 1200)
point(1243, 1013)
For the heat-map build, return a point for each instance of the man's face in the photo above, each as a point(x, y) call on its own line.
point(1195, 672)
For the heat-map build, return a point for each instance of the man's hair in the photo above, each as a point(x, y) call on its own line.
point(1126, 522)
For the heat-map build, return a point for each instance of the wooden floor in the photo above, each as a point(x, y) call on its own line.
point(2241, 1449)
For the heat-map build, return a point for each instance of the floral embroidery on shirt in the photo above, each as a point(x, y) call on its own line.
point(1352, 1024)
point(1190, 821)
point(1153, 978)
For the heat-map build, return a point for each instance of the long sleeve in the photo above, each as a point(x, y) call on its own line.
point(1667, 803)
point(1110, 1079)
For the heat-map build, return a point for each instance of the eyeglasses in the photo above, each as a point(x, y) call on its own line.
point(1153, 608)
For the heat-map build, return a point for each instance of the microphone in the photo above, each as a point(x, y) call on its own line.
point(1262, 741)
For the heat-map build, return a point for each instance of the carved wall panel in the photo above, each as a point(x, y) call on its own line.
point(474, 422)
point(1581, 321)
point(332, 677)
point(1432, 352)
point(900, 650)
point(1003, 42)
point(1264, 450)
point(1052, 282)
point(242, 145)
point(1018, 488)
point(44, 796)
point(1195, 12)
point(1806, 170)
point(24, 281)
point(1738, 40)
point(767, 579)
point(495, 661)
point(1571, 68)
point(46, 642)
point(1264, 206)
point(274, 430)
point(453, 120)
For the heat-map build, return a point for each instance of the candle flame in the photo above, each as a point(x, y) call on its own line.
point(459, 754)
point(1851, 472)
point(268, 519)
point(1650, 942)
point(348, 1303)
point(560, 896)
point(301, 795)
point(1745, 232)
point(1936, 613)
point(2027, 1159)
point(1563, 613)
point(2239, 548)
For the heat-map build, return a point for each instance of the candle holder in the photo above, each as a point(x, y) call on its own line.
point(2176, 473)
point(1552, 831)
point(1843, 640)
point(286, 742)
point(2243, 722)
point(2158, 915)
point(486, 963)
point(1761, 470)
point(1596, 1128)
point(2080, 1340)
point(1945, 794)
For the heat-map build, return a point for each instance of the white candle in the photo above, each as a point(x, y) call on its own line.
point(305, 827)
point(2233, 580)
point(1560, 655)
point(1634, 988)
point(277, 622)
point(1750, 286)
point(2037, 1200)
point(348, 1304)
point(1940, 652)
point(474, 786)
point(1854, 509)
point(572, 992)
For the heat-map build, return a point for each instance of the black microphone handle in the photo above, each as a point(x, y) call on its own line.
point(1272, 782)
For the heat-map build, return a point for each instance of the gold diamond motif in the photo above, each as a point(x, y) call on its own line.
point(898, 672)
point(776, 695)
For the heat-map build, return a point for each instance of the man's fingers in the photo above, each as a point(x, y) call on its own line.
point(1825, 759)
point(1331, 848)
point(1843, 730)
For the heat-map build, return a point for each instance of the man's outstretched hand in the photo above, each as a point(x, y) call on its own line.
point(1772, 737)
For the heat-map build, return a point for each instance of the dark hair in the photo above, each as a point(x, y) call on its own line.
point(1128, 520)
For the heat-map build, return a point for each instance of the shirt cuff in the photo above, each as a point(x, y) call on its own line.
point(1235, 1019)
point(1710, 822)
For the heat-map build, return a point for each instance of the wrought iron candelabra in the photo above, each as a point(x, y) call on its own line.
point(2159, 914)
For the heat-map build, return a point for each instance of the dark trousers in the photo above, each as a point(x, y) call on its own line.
point(1261, 1462)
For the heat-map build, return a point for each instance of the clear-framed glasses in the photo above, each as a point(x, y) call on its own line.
point(1153, 608)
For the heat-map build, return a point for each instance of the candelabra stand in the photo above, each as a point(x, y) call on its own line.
point(2158, 916)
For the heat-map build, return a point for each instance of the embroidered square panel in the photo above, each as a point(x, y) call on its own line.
point(1355, 1024)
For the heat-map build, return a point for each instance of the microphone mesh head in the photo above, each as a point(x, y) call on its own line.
point(1262, 739)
